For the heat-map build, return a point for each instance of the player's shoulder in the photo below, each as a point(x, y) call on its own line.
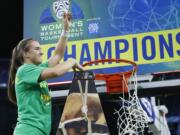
point(25, 67)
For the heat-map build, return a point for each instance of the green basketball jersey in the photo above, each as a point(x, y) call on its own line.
point(33, 98)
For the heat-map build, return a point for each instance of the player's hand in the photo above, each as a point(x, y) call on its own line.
point(67, 17)
point(76, 65)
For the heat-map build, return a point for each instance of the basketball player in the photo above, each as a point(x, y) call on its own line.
point(27, 86)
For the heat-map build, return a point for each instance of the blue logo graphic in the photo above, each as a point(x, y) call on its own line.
point(93, 28)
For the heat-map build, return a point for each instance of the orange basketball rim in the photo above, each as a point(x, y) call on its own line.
point(115, 82)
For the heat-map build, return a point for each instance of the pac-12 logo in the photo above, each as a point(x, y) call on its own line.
point(55, 10)
point(61, 6)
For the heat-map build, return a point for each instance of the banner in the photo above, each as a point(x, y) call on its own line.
point(146, 32)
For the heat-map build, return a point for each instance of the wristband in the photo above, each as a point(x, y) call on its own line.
point(65, 33)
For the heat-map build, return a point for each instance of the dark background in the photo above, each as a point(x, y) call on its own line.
point(11, 26)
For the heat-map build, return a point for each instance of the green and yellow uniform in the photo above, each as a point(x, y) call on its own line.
point(33, 100)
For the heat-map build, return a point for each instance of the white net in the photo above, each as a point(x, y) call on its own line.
point(132, 119)
point(84, 110)
point(83, 124)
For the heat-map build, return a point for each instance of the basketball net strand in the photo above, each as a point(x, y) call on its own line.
point(84, 110)
point(132, 119)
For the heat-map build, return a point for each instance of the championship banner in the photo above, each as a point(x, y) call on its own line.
point(146, 32)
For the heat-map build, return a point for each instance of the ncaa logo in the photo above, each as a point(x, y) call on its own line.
point(60, 6)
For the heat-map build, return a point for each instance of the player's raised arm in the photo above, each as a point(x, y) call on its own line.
point(61, 44)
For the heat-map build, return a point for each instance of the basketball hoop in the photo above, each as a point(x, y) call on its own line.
point(115, 82)
point(132, 119)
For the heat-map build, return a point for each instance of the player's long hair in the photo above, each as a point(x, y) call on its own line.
point(16, 61)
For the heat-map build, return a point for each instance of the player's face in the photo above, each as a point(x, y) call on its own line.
point(35, 53)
